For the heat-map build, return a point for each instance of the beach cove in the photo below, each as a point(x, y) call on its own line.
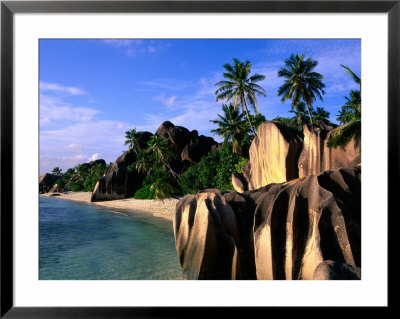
point(157, 208)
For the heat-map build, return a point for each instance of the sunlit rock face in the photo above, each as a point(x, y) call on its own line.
point(280, 154)
point(239, 183)
point(317, 157)
point(301, 223)
point(273, 155)
point(213, 235)
point(281, 231)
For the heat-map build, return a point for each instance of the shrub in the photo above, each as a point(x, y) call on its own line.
point(75, 187)
point(144, 193)
point(158, 184)
point(213, 171)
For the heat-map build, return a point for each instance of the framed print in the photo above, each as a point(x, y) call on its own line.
point(165, 118)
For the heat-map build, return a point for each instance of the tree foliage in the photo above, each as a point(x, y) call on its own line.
point(232, 127)
point(240, 87)
point(350, 116)
point(302, 83)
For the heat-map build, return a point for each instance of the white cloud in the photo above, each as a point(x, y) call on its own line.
point(74, 148)
point(121, 42)
point(94, 157)
point(45, 86)
point(168, 101)
point(44, 121)
point(133, 47)
point(54, 109)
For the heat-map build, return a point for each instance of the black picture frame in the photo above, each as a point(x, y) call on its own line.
point(9, 8)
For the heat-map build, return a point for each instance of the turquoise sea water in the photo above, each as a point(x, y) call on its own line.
point(82, 241)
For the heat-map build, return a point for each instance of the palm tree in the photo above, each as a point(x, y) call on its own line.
point(162, 188)
point(350, 116)
point(321, 115)
point(356, 78)
point(56, 170)
point(132, 140)
point(240, 87)
point(231, 126)
point(351, 110)
point(143, 162)
point(161, 152)
point(300, 117)
point(302, 83)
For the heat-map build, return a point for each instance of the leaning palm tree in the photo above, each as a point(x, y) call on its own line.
point(132, 140)
point(161, 152)
point(301, 82)
point(143, 162)
point(355, 77)
point(240, 87)
point(350, 116)
point(162, 188)
point(231, 126)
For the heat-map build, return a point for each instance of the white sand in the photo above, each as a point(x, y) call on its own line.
point(158, 208)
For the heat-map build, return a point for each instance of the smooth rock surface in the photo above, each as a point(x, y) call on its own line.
point(279, 231)
point(273, 155)
point(317, 157)
point(239, 183)
point(301, 223)
point(213, 235)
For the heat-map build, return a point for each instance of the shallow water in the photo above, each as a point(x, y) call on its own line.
point(82, 241)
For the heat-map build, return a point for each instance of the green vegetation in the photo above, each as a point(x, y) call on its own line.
point(240, 87)
point(350, 116)
point(56, 171)
point(300, 117)
point(82, 177)
point(213, 171)
point(232, 127)
point(154, 162)
point(156, 185)
point(301, 82)
point(132, 140)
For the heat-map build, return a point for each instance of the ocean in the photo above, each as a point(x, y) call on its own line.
point(79, 241)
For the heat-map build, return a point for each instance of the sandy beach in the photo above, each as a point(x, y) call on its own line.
point(163, 209)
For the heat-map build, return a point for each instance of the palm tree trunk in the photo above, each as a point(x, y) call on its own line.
point(175, 175)
point(309, 114)
point(244, 105)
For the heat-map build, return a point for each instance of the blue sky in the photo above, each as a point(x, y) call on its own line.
point(92, 91)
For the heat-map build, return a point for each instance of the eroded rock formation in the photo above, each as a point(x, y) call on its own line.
point(304, 222)
point(118, 182)
point(280, 154)
point(317, 157)
point(286, 230)
point(273, 155)
point(47, 181)
point(213, 235)
point(189, 147)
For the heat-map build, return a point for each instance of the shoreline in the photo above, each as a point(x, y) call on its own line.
point(158, 208)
